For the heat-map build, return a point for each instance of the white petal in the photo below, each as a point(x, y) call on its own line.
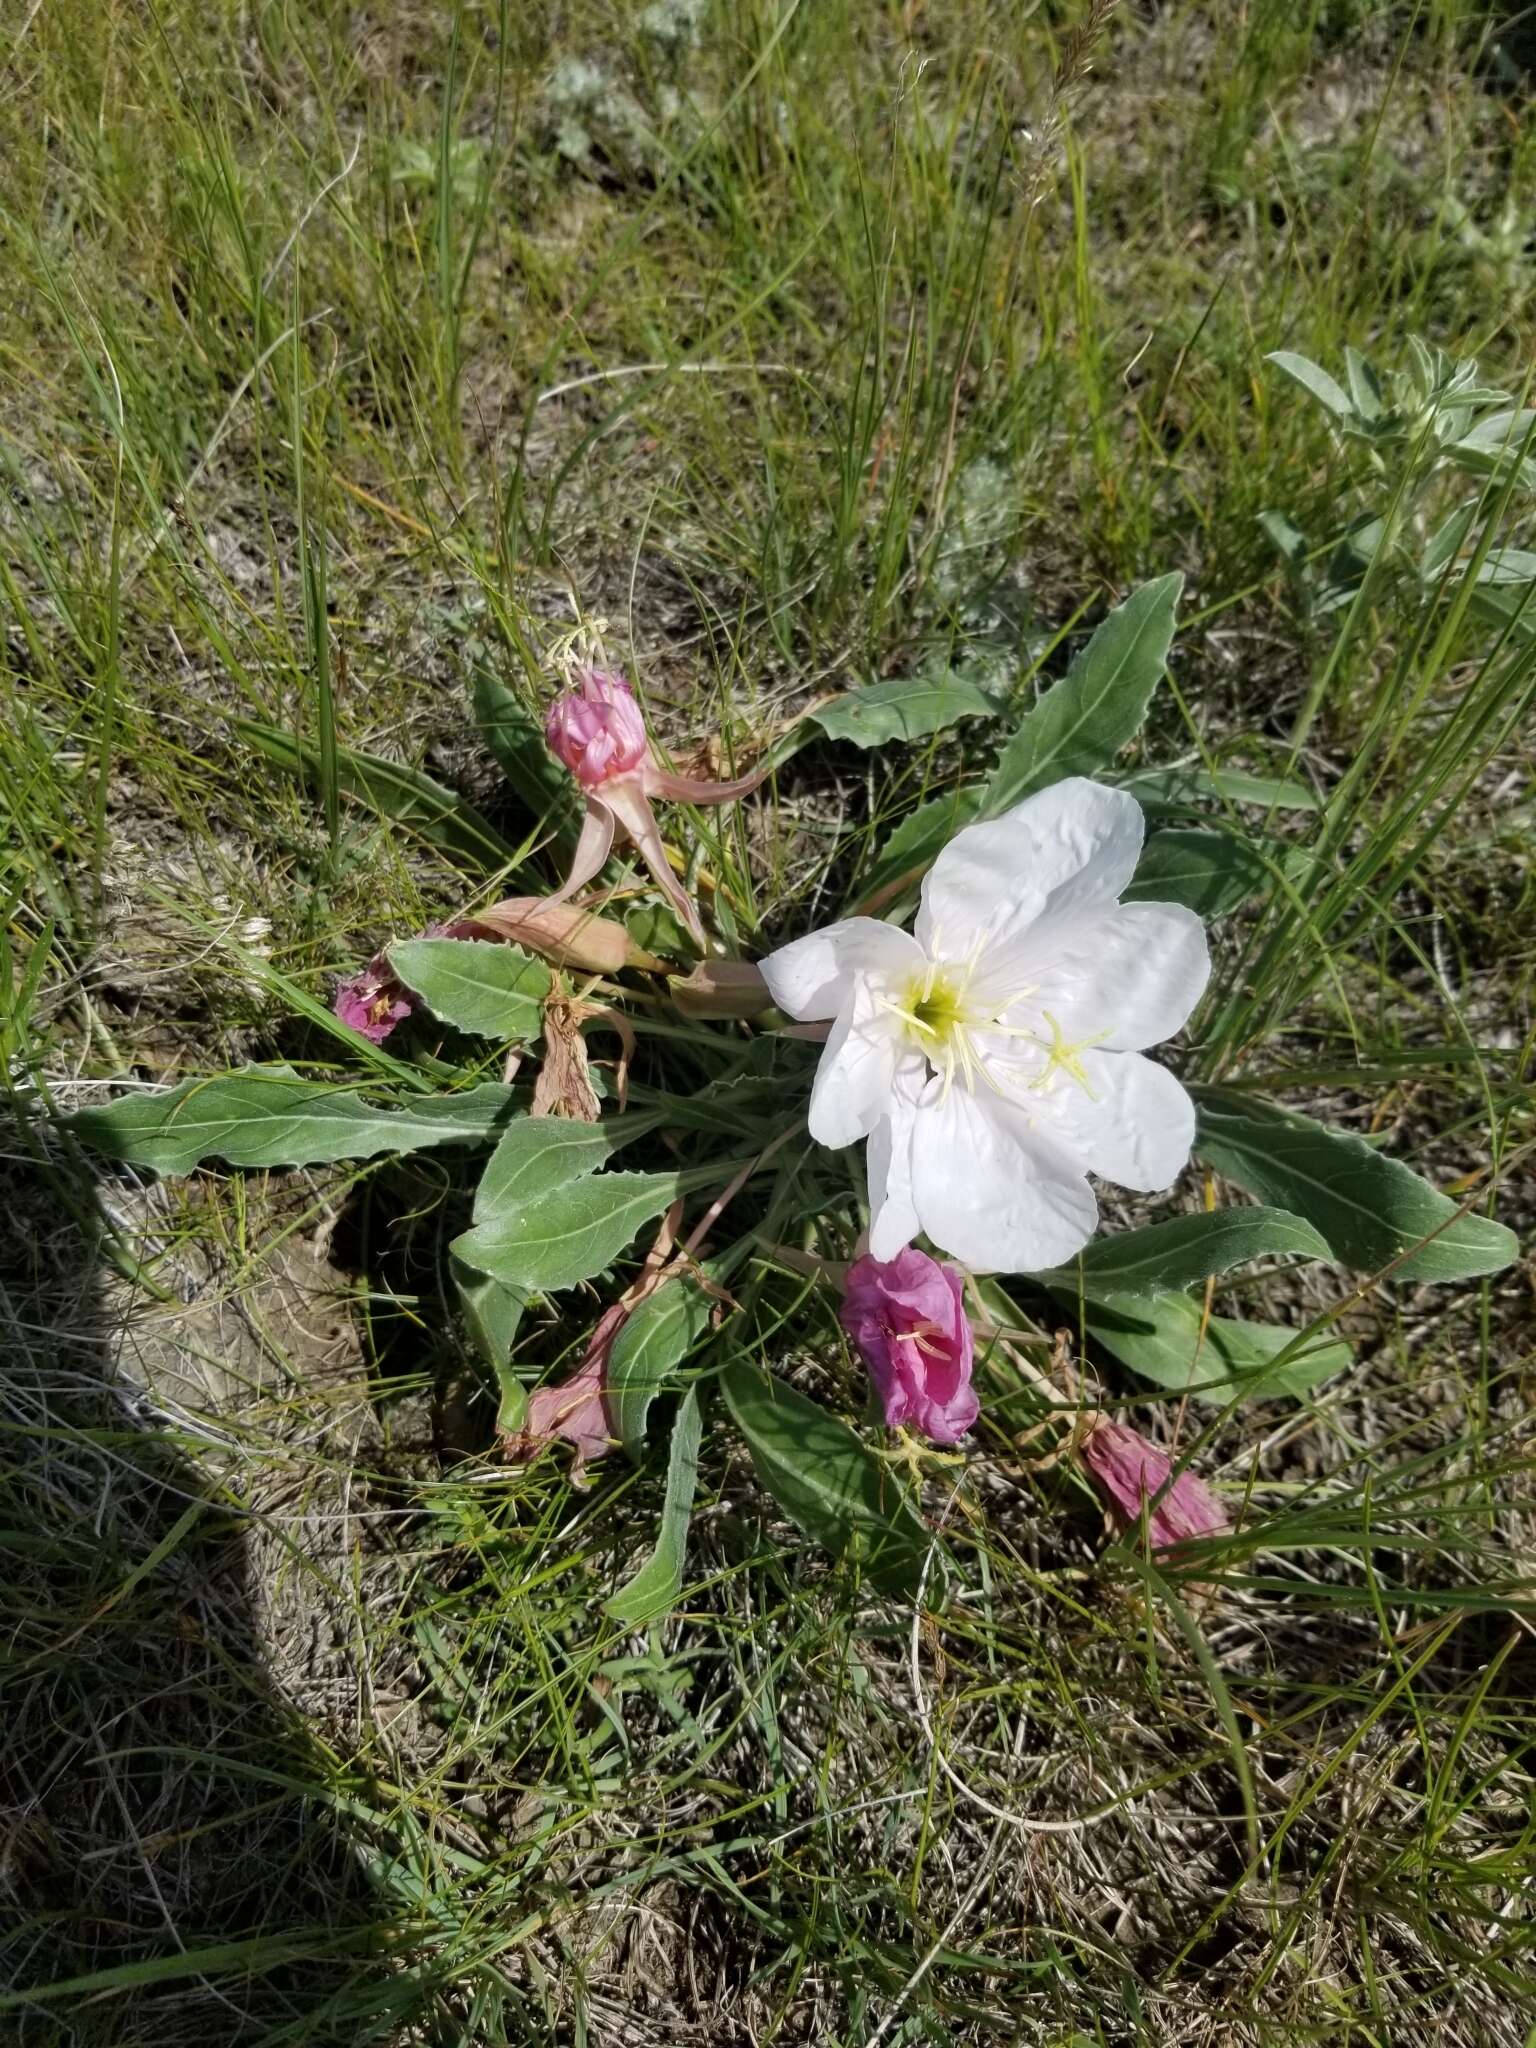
point(1059, 858)
point(1129, 981)
point(814, 976)
point(852, 1089)
point(991, 1191)
point(888, 1162)
point(1136, 1126)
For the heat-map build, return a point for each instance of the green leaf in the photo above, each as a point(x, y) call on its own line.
point(268, 1116)
point(407, 796)
point(829, 1483)
point(1317, 381)
point(1160, 1336)
point(1445, 543)
point(475, 985)
point(1365, 390)
point(1210, 872)
point(918, 841)
point(654, 1589)
point(648, 1349)
point(540, 1153)
point(516, 738)
point(1099, 704)
point(1185, 1249)
point(567, 1233)
point(906, 708)
point(492, 1312)
point(1179, 789)
point(1370, 1208)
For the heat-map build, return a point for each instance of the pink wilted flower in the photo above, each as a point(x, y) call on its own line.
point(1129, 1472)
point(906, 1317)
point(597, 730)
point(372, 1001)
point(575, 1410)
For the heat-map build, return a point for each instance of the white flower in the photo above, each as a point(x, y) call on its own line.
point(993, 1057)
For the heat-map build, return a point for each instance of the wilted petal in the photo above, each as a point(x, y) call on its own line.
point(592, 848)
point(1130, 1472)
point(697, 789)
point(632, 808)
point(574, 1413)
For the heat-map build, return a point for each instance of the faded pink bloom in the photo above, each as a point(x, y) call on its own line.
point(906, 1317)
point(575, 1410)
point(1129, 1471)
point(596, 729)
point(372, 1001)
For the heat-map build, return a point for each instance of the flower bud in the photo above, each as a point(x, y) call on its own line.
point(1129, 1471)
point(906, 1317)
point(565, 933)
point(596, 729)
point(721, 988)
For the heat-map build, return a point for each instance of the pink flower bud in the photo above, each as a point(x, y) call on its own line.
point(906, 1318)
point(596, 729)
point(721, 988)
point(566, 933)
point(1129, 1471)
point(372, 1001)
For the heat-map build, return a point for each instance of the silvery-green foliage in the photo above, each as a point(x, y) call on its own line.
point(1428, 425)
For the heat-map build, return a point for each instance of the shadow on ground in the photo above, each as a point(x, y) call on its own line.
point(175, 1862)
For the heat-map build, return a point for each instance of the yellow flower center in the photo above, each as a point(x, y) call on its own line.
point(934, 1006)
point(941, 1020)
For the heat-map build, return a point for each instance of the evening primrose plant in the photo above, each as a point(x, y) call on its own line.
point(893, 1127)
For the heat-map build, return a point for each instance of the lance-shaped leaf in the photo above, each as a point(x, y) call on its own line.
point(1372, 1209)
point(1182, 790)
point(654, 1589)
point(827, 1481)
point(647, 1351)
point(541, 1218)
point(475, 985)
point(1314, 379)
point(492, 1313)
point(1169, 1339)
point(1099, 705)
point(568, 1233)
point(269, 1116)
point(405, 795)
point(539, 1153)
point(905, 708)
point(1186, 1249)
point(1208, 872)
